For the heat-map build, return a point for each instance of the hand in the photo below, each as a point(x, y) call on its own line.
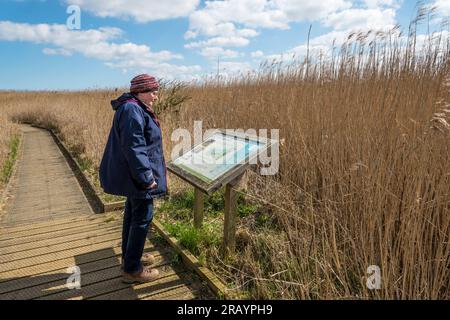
point(153, 185)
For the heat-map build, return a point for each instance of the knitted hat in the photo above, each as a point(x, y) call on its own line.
point(142, 83)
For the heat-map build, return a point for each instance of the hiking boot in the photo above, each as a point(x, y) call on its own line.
point(147, 259)
point(146, 275)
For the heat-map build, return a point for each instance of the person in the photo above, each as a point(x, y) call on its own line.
point(133, 166)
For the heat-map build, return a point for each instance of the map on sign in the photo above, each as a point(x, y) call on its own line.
point(217, 155)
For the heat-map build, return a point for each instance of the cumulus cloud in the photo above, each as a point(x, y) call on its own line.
point(220, 41)
point(214, 52)
point(138, 10)
point(442, 8)
point(231, 68)
point(93, 43)
point(310, 10)
point(372, 4)
point(224, 15)
point(57, 34)
point(360, 16)
point(219, 17)
point(165, 70)
point(362, 19)
point(300, 52)
point(56, 52)
point(234, 22)
point(257, 54)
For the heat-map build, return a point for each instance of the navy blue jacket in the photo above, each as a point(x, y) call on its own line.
point(133, 156)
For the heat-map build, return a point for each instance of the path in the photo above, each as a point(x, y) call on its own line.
point(48, 227)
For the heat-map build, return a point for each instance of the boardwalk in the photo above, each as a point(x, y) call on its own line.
point(48, 228)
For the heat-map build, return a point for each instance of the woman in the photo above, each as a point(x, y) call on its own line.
point(133, 166)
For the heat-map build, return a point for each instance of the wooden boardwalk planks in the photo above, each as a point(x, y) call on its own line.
point(49, 227)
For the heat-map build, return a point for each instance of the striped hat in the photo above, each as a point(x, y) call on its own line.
point(142, 83)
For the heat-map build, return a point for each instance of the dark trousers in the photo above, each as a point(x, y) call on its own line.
point(136, 222)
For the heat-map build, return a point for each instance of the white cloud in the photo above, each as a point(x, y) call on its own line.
point(362, 19)
point(139, 10)
point(214, 52)
point(221, 17)
point(257, 54)
point(220, 42)
point(375, 15)
point(164, 70)
point(252, 13)
point(56, 52)
point(310, 10)
point(190, 34)
point(299, 52)
point(373, 4)
point(319, 45)
point(94, 43)
point(231, 23)
point(212, 29)
point(231, 68)
point(56, 34)
point(442, 7)
point(338, 37)
point(438, 40)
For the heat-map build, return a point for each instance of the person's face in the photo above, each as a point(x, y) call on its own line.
point(149, 97)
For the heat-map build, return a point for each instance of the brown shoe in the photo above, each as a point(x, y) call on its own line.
point(147, 259)
point(146, 275)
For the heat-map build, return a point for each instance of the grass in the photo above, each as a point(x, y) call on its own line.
point(8, 165)
point(176, 215)
point(158, 239)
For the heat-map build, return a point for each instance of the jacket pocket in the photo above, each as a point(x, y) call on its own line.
point(154, 152)
point(159, 174)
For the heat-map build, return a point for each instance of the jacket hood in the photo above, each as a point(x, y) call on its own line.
point(119, 101)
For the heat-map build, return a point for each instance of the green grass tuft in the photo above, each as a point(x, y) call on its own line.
point(9, 164)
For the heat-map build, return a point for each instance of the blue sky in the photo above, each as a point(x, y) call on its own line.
point(174, 39)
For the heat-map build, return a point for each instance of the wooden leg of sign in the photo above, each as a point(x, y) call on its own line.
point(198, 208)
point(229, 228)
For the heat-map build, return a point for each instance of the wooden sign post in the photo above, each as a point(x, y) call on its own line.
point(229, 226)
point(199, 198)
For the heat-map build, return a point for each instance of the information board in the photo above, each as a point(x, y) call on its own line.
point(220, 158)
